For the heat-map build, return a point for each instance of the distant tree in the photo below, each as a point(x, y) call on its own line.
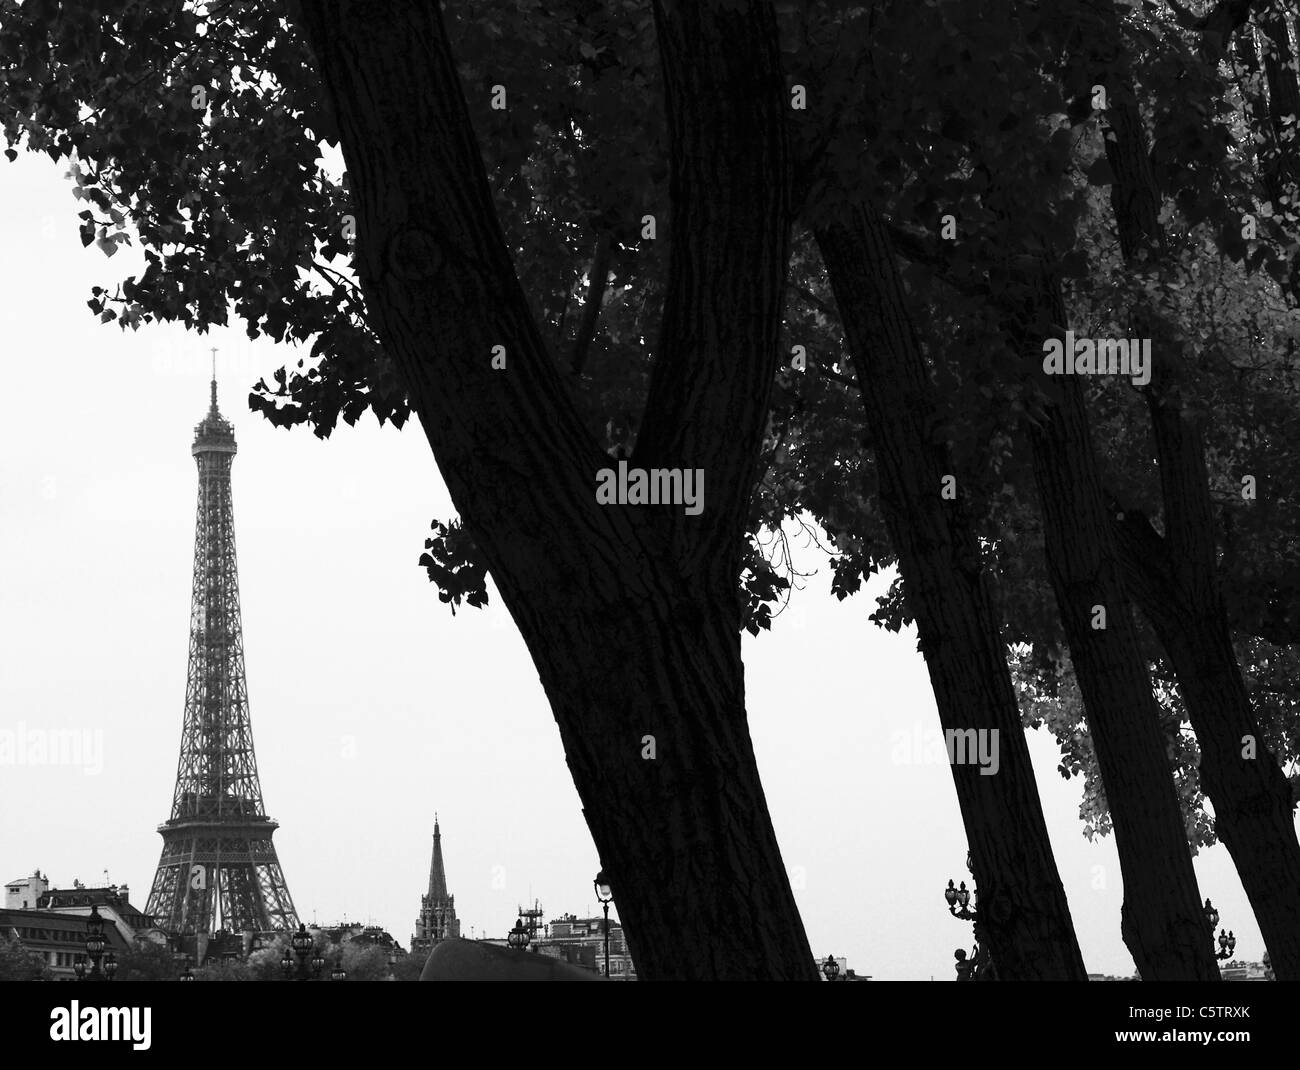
point(145, 960)
point(223, 970)
point(364, 962)
point(17, 963)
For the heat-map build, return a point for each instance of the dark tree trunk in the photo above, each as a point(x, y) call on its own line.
point(630, 613)
point(1024, 915)
point(1278, 148)
point(1162, 921)
point(1253, 808)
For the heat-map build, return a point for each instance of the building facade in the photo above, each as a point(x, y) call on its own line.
point(58, 938)
point(113, 900)
point(581, 942)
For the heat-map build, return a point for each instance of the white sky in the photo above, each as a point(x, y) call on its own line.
point(372, 707)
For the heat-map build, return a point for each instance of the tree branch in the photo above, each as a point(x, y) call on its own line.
point(597, 279)
point(729, 189)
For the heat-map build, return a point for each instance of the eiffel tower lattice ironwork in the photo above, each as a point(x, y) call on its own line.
point(219, 869)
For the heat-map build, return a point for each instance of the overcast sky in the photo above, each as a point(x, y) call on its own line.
point(372, 706)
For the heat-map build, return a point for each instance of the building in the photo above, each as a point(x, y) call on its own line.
point(356, 933)
point(581, 942)
point(21, 893)
point(59, 938)
point(113, 900)
point(114, 906)
point(437, 919)
point(1244, 971)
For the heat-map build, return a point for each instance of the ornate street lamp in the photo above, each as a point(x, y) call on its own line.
point(110, 965)
point(95, 944)
point(518, 937)
point(978, 966)
point(1227, 941)
point(604, 893)
point(188, 974)
point(301, 942)
point(339, 973)
point(958, 898)
point(830, 968)
point(79, 967)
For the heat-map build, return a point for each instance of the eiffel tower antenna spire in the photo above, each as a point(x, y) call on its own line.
point(213, 410)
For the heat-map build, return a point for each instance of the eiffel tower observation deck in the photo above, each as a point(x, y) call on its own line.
point(219, 869)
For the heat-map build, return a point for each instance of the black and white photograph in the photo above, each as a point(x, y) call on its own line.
point(650, 491)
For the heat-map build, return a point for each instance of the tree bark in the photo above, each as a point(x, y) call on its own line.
point(630, 613)
point(1024, 916)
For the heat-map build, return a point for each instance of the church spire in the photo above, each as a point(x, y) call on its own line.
point(437, 920)
point(437, 876)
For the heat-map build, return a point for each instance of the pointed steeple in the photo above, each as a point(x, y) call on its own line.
point(437, 876)
point(437, 920)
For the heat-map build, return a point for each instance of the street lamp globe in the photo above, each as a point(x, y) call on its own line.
point(518, 937)
point(604, 893)
point(830, 968)
point(302, 939)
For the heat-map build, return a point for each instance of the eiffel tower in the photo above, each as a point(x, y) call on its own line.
point(219, 870)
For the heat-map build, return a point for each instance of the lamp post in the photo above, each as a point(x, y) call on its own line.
point(977, 967)
point(830, 968)
point(1227, 941)
point(605, 894)
point(518, 937)
point(301, 944)
point(95, 944)
point(339, 973)
point(957, 899)
point(188, 973)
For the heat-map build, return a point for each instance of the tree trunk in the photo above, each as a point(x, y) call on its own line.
point(684, 835)
point(1178, 590)
point(1162, 921)
point(630, 613)
point(1024, 915)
